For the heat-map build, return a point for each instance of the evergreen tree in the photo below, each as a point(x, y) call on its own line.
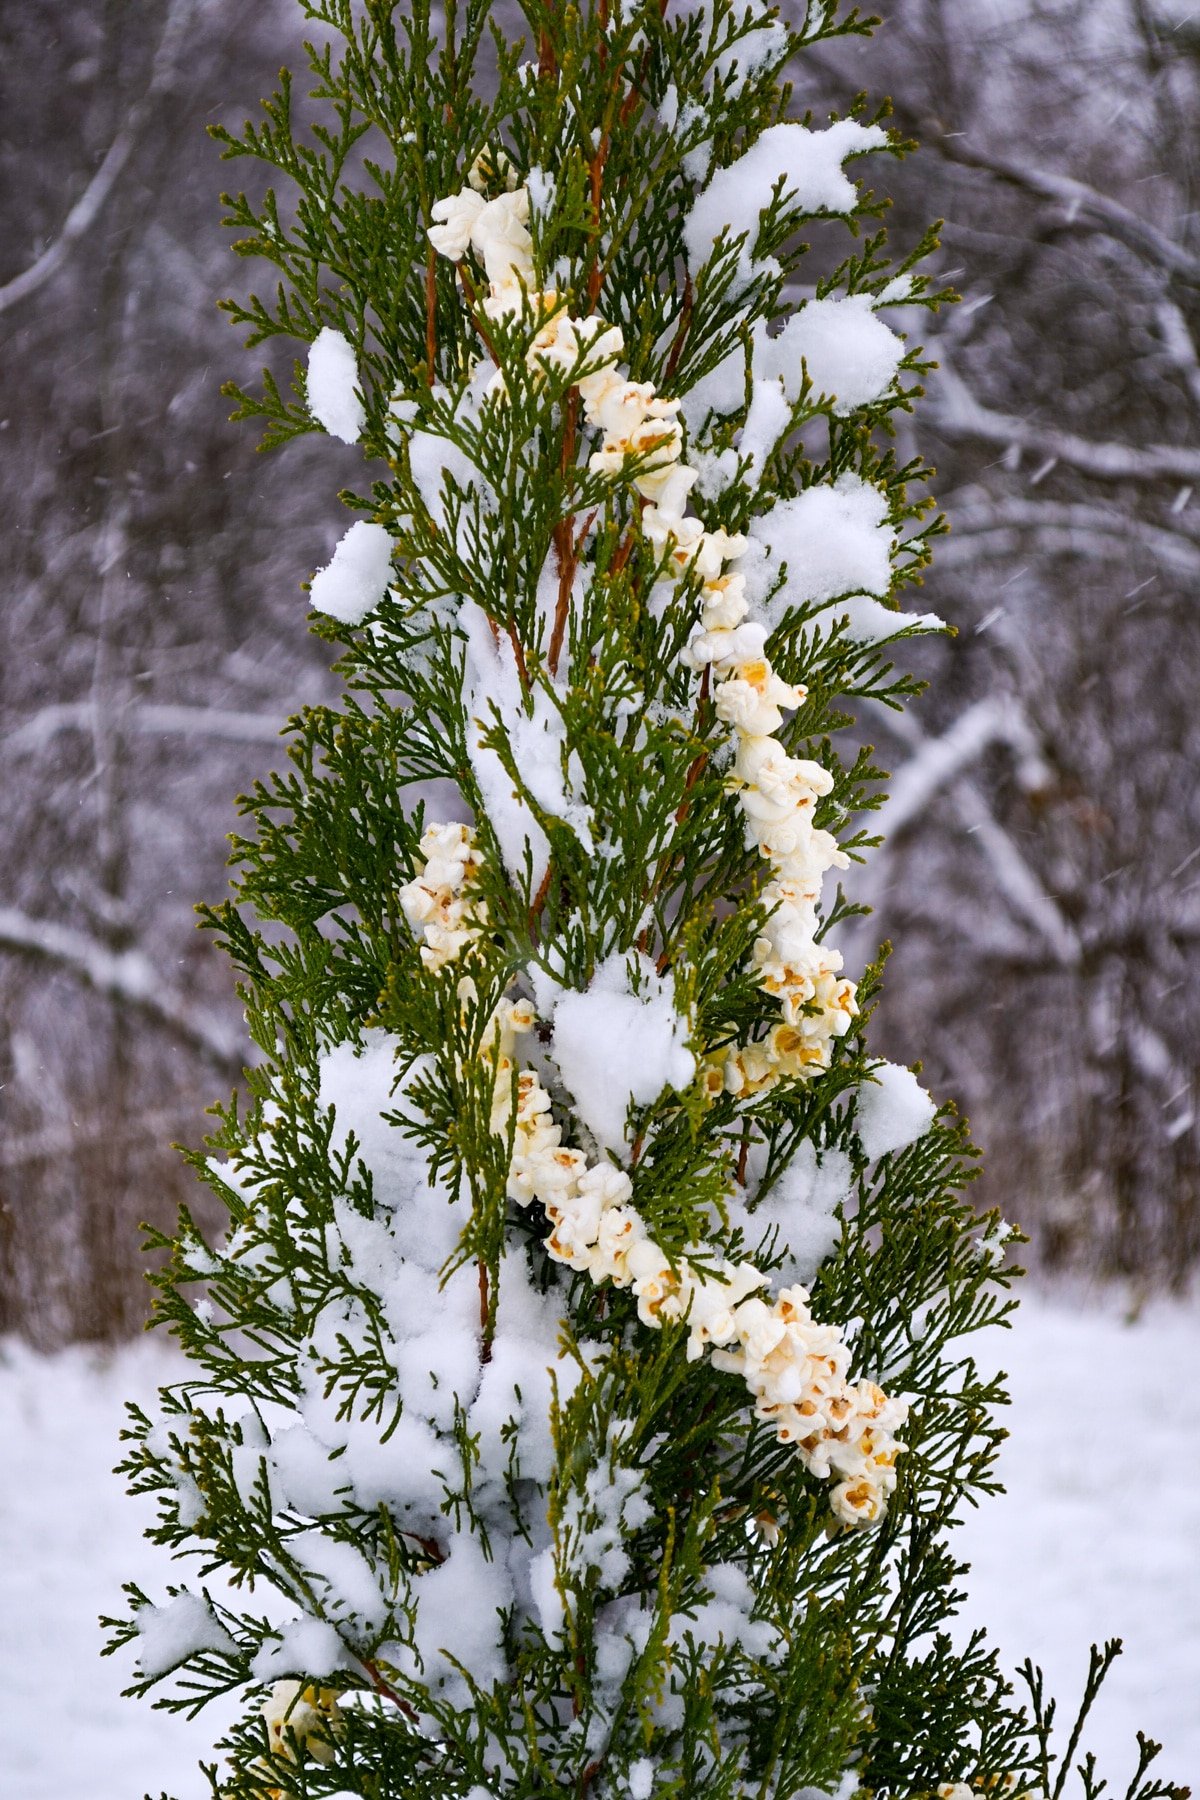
point(583, 1391)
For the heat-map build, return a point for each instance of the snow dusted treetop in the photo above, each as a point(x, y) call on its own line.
point(577, 1390)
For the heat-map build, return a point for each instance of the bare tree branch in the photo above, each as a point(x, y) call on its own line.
point(1080, 203)
point(53, 1142)
point(126, 975)
point(1179, 346)
point(982, 528)
point(955, 414)
point(91, 202)
point(938, 765)
point(936, 762)
point(146, 721)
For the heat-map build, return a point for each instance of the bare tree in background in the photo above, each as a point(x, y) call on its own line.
point(1044, 837)
point(153, 637)
point(1043, 854)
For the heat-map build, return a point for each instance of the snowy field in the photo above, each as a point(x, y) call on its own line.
point(1099, 1535)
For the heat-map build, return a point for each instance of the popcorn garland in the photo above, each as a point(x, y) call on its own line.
point(794, 1367)
point(435, 903)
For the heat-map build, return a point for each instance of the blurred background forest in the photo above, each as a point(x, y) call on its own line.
point(1041, 877)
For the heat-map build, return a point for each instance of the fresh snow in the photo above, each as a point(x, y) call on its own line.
point(868, 621)
point(1081, 1548)
point(833, 539)
point(893, 1110)
point(533, 725)
point(847, 349)
point(305, 1646)
point(168, 1634)
point(356, 579)
point(767, 419)
point(795, 1218)
point(754, 46)
point(333, 399)
point(828, 550)
point(807, 163)
point(618, 1044)
point(459, 1607)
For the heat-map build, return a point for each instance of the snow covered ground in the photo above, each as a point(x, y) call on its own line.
point(1099, 1535)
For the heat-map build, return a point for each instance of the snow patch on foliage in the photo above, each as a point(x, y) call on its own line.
point(807, 163)
point(182, 1627)
point(767, 419)
point(332, 385)
point(620, 1042)
point(533, 726)
point(721, 391)
point(526, 1369)
point(726, 1617)
point(344, 1583)
point(304, 1647)
point(894, 1110)
point(829, 549)
point(359, 1081)
point(796, 1215)
point(832, 539)
point(869, 621)
point(460, 1606)
point(848, 350)
point(357, 577)
point(753, 46)
point(440, 465)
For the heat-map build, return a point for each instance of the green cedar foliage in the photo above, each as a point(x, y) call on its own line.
point(287, 1462)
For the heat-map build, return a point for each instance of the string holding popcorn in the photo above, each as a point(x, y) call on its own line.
point(794, 1367)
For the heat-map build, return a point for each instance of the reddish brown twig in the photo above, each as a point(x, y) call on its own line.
point(468, 287)
point(389, 1693)
point(432, 1549)
point(519, 658)
point(547, 61)
point(431, 314)
point(685, 320)
point(485, 1312)
point(539, 900)
point(595, 274)
point(564, 537)
point(586, 1779)
point(697, 768)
